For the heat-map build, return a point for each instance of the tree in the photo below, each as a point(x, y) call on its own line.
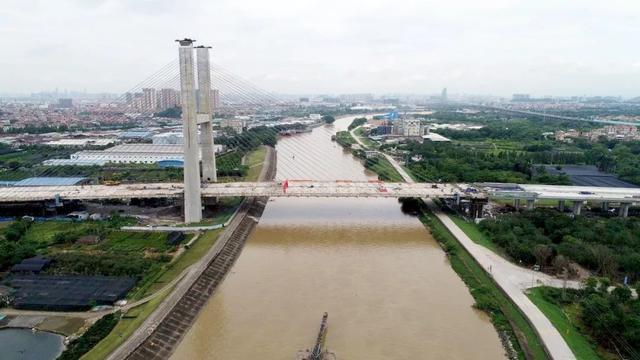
point(605, 259)
point(328, 119)
point(173, 112)
point(542, 254)
point(561, 264)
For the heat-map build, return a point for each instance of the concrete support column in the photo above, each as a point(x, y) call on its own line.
point(205, 111)
point(531, 204)
point(624, 210)
point(605, 206)
point(192, 199)
point(561, 205)
point(577, 207)
point(516, 204)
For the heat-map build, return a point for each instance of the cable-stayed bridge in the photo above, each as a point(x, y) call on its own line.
point(201, 89)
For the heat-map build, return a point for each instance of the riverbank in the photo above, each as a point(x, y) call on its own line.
point(184, 303)
point(511, 281)
point(518, 337)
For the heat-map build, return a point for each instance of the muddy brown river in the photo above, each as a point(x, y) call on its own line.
point(386, 284)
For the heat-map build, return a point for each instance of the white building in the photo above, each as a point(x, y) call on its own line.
point(136, 153)
point(82, 142)
point(174, 138)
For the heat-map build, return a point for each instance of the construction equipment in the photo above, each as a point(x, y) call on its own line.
point(318, 353)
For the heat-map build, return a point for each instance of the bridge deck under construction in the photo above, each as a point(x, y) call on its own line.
point(312, 188)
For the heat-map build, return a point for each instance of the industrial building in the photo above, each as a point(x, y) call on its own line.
point(174, 138)
point(82, 142)
point(49, 181)
point(136, 153)
point(136, 135)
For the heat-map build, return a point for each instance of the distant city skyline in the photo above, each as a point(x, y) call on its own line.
point(498, 47)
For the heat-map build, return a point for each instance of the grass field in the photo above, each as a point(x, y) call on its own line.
point(43, 232)
point(384, 169)
point(359, 132)
point(478, 237)
point(504, 314)
point(254, 161)
point(581, 346)
point(125, 241)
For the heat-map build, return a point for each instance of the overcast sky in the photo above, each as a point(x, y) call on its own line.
point(542, 47)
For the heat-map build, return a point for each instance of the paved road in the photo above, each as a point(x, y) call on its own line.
point(511, 278)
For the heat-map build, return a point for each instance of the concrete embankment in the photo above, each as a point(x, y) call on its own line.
point(164, 328)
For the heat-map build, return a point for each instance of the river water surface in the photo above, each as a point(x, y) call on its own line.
point(384, 281)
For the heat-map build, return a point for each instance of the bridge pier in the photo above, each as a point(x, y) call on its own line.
point(516, 204)
point(476, 207)
point(605, 206)
point(561, 205)
point(531, 204)
point(577, 207)
point(624, 210)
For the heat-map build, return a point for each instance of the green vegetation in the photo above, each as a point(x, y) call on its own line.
point(596, 322)
point(22, 239)
point(18, 164)
point(607, 246)
point(328, 119)
point(357, 122)
point(451, 162)
point(254, 162)
point(581, 346)
point(505, 316)
point(128, 242)
point(621, 158)
point(90, 338)
point(230, 165)
point(344, 139)
point(360, 133)
point(124, 328)
point(382, 167)
point(174, 112)
point(110, 252)
point(508, 146)
point(475, 234)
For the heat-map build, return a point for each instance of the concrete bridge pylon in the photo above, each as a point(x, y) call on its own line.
point(192, 190)
point(205, 111)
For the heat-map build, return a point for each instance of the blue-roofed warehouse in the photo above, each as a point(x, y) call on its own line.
point(52, 181)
